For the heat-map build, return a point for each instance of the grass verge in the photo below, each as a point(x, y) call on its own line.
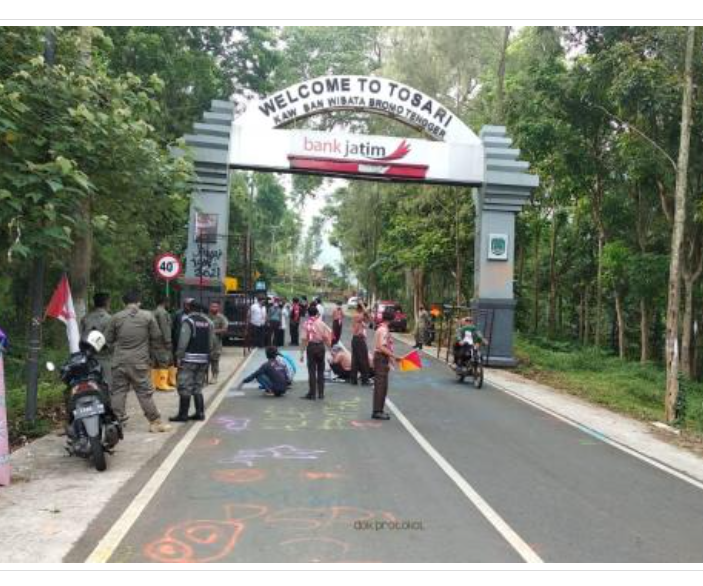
point(626, 387)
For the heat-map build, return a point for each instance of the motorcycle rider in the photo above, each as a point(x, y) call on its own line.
point(467, 333)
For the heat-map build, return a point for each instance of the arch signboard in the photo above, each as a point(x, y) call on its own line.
point(268, 136)
point(451, 153)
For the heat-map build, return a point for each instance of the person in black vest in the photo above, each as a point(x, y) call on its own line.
point(196, 340)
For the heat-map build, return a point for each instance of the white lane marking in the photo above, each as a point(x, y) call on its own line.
point(590, 431)
point(507, 532)
point(109, 543)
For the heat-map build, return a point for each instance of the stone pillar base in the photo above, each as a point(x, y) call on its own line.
point(500, 333)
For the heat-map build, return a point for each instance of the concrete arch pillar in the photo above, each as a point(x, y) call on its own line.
point(506, 189)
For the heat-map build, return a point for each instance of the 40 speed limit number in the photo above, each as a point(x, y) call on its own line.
point(167, 266)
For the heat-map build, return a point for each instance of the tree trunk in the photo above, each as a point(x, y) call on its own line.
point(586, 322)
point(82, 252)
point(687, 335)
point(500, 88)
point(535, 308)
point(645, 353)
point(551, 320)
point(599, 293)
point(582, 306)
point(620, 313)
point(672, 314)
point(698, 346)
point(459, 264)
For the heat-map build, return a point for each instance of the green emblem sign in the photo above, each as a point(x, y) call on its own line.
point(498, 247)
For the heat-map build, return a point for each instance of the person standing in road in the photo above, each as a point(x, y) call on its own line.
point(360, 350)
point(423, 319)
point(193, 359)
point(257, 322)
point(162, 349)
point(275, 316)
point(337, 321)
point(220, 324)
point(98, 319)
point(316, 336)
point(285, 321)
point(295, 316)
point(131, 333)
point(383, 357)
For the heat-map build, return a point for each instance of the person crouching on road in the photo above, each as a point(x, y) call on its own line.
point(130, 333)
point(316, 336)
point(162, 350)
point(341, 363)
point(272, 375)
point(384, 355)
point(193, 359)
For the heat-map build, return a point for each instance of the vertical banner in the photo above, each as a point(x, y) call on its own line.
point(4, 433)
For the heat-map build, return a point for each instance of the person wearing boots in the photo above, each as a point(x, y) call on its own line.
point(316, 336)
point(130, 333)
point(221, 324)
point(384, 355)
point(193, 360)
point(162, 351)
point(98, 320)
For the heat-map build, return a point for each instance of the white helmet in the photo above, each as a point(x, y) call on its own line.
point(95, 340)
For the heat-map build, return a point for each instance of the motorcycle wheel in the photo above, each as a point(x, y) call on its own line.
point(478, 375)
point(96, 447)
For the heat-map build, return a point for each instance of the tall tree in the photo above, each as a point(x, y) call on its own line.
point(672, 314)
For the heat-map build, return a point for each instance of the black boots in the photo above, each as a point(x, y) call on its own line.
point(183, 406)
point(199, 408)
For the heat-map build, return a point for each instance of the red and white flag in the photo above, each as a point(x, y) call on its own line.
point(61, 307)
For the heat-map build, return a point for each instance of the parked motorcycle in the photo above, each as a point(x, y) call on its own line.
point(469, 363)
point(92, 429)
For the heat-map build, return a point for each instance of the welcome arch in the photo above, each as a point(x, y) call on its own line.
point(450, 154)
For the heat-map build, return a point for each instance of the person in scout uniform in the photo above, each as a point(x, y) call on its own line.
point(360, 351)
point(316, 336)
point(98, 319)
point(384, 355)
point(131, 333)
point(162, 350)
point(220, 324)
point(197, 338)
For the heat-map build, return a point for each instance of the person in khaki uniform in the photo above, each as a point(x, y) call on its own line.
point(162, 350)
point(131, 333)
point(220, 323)
point(98, 319)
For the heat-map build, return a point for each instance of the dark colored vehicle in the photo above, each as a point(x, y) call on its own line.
point(235, 307)
point(399, 323)
point(469, 363)
point(92, 428)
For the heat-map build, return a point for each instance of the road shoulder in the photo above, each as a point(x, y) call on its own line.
point(54, 499)
point(639, 437)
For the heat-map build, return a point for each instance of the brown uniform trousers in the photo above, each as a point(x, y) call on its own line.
point(138, 377)
point(360, 359)
point(381, 365)
point(316, 368)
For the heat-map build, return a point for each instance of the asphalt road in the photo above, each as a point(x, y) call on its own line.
point(284, 480)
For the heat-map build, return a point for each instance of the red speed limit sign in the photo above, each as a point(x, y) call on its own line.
point(167, 266)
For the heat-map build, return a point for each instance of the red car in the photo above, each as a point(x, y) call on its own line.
point(399, 323)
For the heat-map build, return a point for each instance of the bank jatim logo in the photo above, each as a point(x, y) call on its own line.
point(350, 157)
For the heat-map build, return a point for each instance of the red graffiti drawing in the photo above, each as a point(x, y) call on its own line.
point(239, 475)
point(365, 424)
point(195, 542)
